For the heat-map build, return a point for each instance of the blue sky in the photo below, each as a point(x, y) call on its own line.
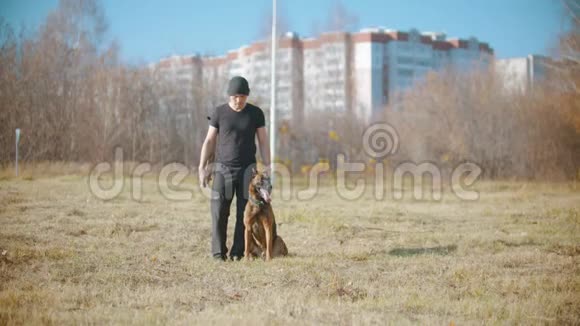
point(148, 30)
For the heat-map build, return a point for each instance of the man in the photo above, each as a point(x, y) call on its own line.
point(233, 127)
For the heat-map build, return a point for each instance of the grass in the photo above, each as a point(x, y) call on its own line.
point(67, 257)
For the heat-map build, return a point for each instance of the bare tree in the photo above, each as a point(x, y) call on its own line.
point(340, 19)
point(453, 117)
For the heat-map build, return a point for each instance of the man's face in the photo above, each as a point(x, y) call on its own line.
point(238, 101)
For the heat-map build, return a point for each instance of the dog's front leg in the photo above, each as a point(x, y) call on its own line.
point(269, 241)
point(248, 241)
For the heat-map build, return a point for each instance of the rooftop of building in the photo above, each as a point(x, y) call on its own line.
point(438, 40)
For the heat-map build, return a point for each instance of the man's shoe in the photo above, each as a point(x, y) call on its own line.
point(220, 257)
point(236, 258)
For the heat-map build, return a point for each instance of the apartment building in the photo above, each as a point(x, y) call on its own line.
point(518, 75)
point(341, 72)
point(182, 74)
point(327, 74)
point(388, 62)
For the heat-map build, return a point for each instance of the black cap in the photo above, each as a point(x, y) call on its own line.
point(238, 85)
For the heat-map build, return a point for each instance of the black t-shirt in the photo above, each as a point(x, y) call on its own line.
point(236, 144)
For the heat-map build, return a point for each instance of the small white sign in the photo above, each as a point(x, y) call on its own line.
point(17, 135)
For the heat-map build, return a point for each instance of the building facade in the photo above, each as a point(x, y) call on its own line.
point(327, 73)
point(182, 74)
point(389, 62)
point(360, 72)
point(518, 75)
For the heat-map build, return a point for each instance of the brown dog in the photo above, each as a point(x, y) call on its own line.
point(261, 237)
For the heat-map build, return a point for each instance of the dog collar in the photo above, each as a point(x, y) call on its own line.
point(258, 203)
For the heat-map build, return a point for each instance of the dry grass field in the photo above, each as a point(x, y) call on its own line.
point(512, 257)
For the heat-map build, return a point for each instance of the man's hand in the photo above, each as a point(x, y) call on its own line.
point(206, 157)
point(267, 170)
point(204, 175)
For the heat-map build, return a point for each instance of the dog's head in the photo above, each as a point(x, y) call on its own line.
point(260, 186)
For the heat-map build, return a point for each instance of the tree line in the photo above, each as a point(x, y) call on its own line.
point(75, 101)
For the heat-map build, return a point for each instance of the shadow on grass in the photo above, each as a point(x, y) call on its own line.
point(407, 252)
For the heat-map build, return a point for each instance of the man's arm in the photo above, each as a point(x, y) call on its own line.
point(207, 151)
point(264, 146)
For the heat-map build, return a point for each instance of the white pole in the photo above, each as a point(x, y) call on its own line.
point(17, 139)
point(273, 92)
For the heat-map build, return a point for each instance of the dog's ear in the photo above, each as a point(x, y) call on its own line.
point(254, 171)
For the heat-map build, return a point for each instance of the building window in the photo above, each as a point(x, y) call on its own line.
point(424, 62)
point(405, 60)
point(405, 73)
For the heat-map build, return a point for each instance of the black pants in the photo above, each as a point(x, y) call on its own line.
point(227, 181)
